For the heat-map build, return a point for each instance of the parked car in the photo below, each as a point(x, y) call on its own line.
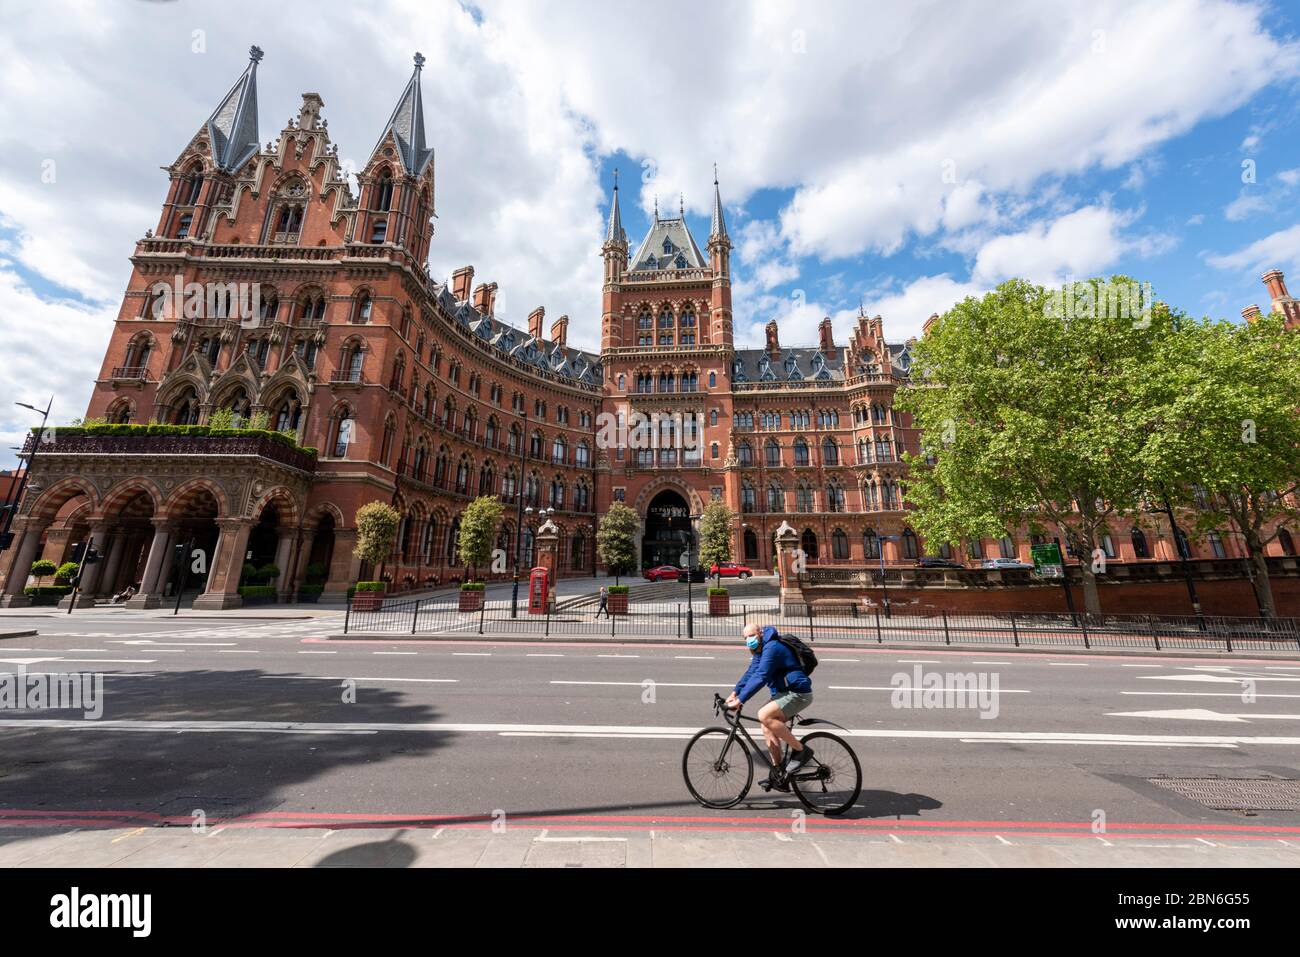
point(934, 561)
point(731, 570)
point(697, 574)
point(662, 573)
point(1013, 563)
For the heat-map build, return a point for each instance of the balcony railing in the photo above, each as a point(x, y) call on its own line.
point(189, 445)
point(140, 373)
point(347, 375)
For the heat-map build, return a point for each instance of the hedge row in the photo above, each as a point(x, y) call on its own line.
point(257, 591)
point(179, 430)
point(47, 589)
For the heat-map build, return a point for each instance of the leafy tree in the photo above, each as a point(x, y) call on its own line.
point(221, 419)
point(616, 539)
point(41, 568)
point(716, 522)
point(478, 530)
point(376, 532)
point(1035, 409)
point(1228, 441)
point(67, 571)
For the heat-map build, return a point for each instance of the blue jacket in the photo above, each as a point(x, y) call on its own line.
point(776, 666)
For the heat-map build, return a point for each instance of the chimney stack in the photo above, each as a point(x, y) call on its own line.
point(535, 322)
point(461, 280)
point(773, 343)
point(560, 331)
point(826, 337)
point(485, 297)
point(1276, 284)
point(1251, 313)
point(929, 324)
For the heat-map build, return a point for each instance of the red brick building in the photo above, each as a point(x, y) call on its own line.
point(269, 290)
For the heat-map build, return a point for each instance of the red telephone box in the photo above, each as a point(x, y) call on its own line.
point(539, 589)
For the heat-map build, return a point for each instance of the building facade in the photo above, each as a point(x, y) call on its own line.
point(271, 295)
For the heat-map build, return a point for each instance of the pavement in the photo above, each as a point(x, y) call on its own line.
point(245, 741)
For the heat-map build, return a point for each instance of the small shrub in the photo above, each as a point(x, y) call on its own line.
point(43, 568)
point(257, 591)
point(47, 589)
point(618, 589)
point(717, 591)
point(473, 586)
point(269, 570)
point(67, 571)
point(316, 571)
point(370, 586)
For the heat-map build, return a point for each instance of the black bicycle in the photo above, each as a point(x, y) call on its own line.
point(718, 765)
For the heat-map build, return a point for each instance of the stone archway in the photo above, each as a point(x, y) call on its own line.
point(666, 529)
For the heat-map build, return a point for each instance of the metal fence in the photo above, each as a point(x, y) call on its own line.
point(440, 616)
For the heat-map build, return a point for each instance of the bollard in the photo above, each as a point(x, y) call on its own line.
point(482, 612)
point(1015, 633)
point(879, 637)
point(415, 615)
point(947, 639)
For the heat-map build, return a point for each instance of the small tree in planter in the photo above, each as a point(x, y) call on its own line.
point(715, 535)
point(617, 600)
point(376, 532)
point(368, 596)
point(616, 540)
point(471, 596)
point(310, 590)
point(719, 602)
point(478, 531)
point(42, 568)
point(67, 571)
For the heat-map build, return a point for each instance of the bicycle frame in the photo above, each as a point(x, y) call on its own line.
point(734, 719)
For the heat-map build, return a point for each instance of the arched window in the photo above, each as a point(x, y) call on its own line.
point(808, 542)
point(745, 454)
point(1139, 540)
point(800, 452)
point(830, 452)
point(341, 429)
point(910, 549)
point(775, 497)
point(583, 458)
point(186, 407)
point(1184, 546)
point(839, 544)
point(383, 191)
point(1285, 540)
point(751, 545)
point(1215, 541)
point(834, 498)
point(1007, 546)
point(362, 308)
point(190, 186)
point(870, 544)
point(772, 450)
point(239, 406)
point(137, 356)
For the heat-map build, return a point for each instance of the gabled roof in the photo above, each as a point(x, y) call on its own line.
point(407, 125)
point(232, 127)
point(668, 245)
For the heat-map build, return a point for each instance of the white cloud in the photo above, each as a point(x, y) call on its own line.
point(1245, 205)
point(1277, 250)
point(1081, 243)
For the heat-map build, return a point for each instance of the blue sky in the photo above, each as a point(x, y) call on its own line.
point(901, 154)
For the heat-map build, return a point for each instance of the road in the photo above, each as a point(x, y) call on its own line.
point(554, 752)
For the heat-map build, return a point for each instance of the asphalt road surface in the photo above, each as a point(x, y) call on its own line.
point(243, 723)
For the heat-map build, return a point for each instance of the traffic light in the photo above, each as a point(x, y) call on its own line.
point(92, 555)
point(84, 553)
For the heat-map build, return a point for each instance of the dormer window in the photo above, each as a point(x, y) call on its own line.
point(669, 248)
point(680, 261)
point(379, 231)
point(183, 229)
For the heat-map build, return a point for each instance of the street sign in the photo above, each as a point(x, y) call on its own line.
point(1047, 560)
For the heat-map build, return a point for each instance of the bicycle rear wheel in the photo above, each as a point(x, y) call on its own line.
point(833, 780)
point(718, 769)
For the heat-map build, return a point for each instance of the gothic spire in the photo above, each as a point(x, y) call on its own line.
point(232, 127)
point(615, 233)
point(719, 227)
point(407, 125)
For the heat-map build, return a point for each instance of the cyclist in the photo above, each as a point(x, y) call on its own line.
point(772, 663)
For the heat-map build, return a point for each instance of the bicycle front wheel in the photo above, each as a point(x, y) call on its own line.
point(718, 769)
point(832, 781)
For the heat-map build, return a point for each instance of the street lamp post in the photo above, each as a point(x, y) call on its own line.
point(12, 503)
point(519, 515)
point(884, 584)
point(690, 575)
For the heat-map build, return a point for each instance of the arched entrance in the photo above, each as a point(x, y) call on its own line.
point(667, 527)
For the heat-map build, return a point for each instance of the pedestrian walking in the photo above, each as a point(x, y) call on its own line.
point(604, 602)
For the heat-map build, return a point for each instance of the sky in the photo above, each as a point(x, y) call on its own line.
point(892, 156)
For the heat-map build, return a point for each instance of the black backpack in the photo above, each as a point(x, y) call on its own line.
point(807, 660)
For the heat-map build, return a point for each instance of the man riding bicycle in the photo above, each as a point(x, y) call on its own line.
point(774, 664)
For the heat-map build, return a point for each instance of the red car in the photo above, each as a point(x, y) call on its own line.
point(730, 570)
point(663, 573)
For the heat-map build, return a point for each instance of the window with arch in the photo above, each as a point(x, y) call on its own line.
point(1285, 541)
point(137, 355)
point(808, 542)
point(804, 498)
point(185, 407)
point(1138, 539)
point(1215, 541)
point(830, 452)
point(311, 309)
point(120, 412)
point(1007, 546)
point(559, 450)
point(775, 497)
point(190, 186)
point(362, 308)
point(486, 479)
point(183, 227)
point(382, 191)
point(910, 547)
point(772, 452)
point(745, 454)
point(839, 544)
point(583, 455)
point(342, 426)
point(800, 452)
point(834, 497)
point(870, 543)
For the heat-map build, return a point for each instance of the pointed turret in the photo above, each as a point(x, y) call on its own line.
point(232, 128)
point(615, 233)
point(407, 125)
point(718, 230)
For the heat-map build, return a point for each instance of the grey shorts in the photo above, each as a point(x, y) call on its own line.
point(792, 702)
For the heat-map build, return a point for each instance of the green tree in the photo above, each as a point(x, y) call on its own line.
point(376, 532)
point(1035, 409)
point(43, 567)
point(478, 531)
point(616, 539)
point(1228, 441)
point(715, 533)
point(67, 571)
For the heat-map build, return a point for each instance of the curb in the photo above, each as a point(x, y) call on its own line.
point(1165, 652)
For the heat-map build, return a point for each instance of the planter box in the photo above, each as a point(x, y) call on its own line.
point(367, 600)
point(617, 604)
point(719, 605)
point(471, 600)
